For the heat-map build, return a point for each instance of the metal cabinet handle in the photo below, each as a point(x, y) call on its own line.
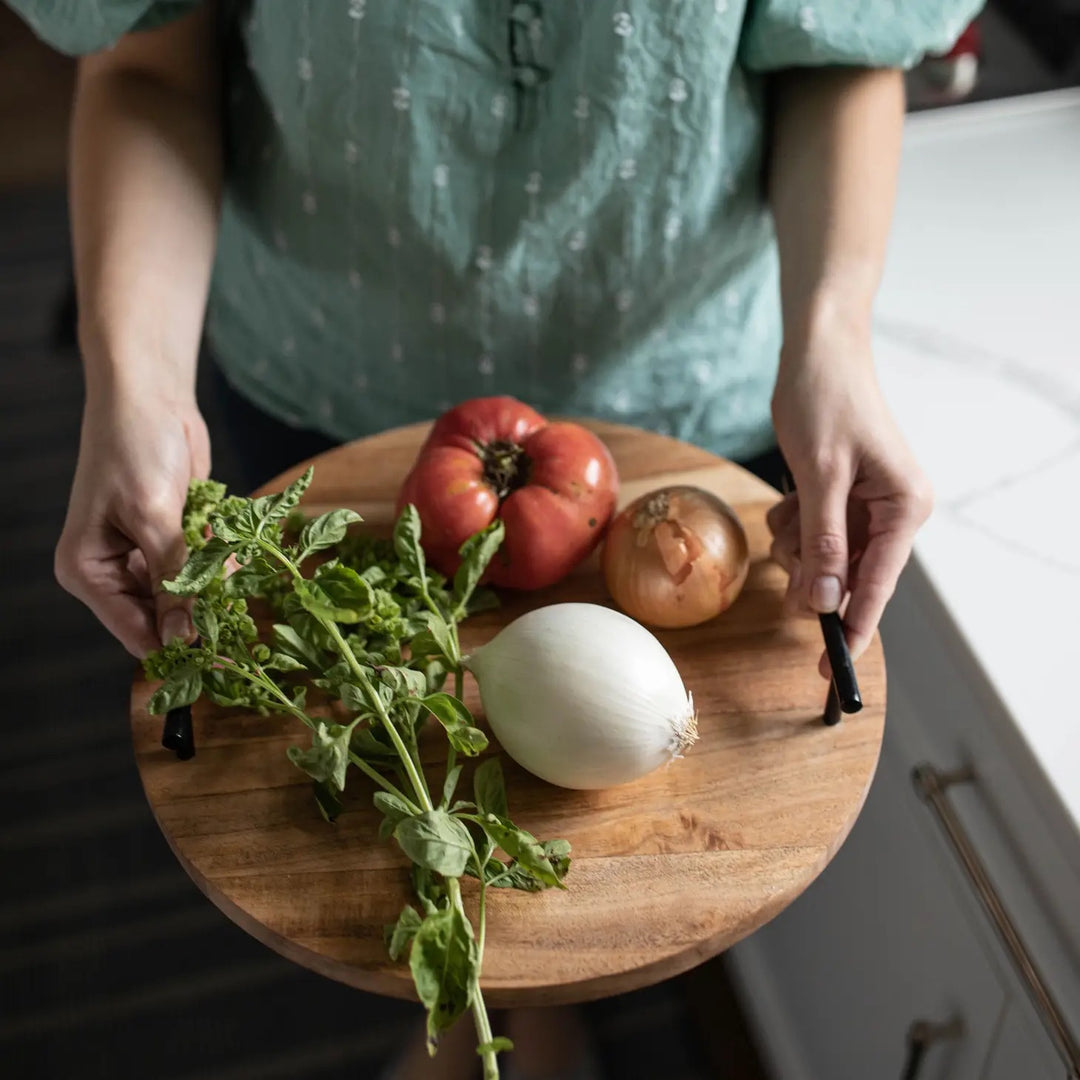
point(932, 785)
point(920, 1037)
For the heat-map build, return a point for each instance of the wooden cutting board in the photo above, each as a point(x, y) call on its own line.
point(667, 871)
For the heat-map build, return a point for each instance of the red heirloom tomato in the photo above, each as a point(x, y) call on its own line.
point(552, 483)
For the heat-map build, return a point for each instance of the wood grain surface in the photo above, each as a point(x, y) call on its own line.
point(667, 871)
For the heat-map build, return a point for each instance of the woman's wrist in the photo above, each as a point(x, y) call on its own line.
point(833, 325)
point(135, 375)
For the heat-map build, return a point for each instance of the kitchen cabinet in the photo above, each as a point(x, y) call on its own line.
point(1021, 1050)
point(878, 942)
point(892, 932)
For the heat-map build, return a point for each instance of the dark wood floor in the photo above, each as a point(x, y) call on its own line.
point(112, 965)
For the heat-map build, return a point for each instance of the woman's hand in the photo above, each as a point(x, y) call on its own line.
point(146, 154)
point(122, 536)
point(861, 497)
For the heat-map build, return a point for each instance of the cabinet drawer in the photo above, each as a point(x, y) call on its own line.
point(1021, 1050)
point(942, 711)
point(880, 940)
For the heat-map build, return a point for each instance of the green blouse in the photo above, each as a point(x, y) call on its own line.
point(430, 200)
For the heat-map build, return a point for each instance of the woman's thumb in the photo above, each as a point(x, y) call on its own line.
point(823, 544)
point(163, 545)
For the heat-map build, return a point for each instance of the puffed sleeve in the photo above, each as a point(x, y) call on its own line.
point(872, 33)
point(77, 27)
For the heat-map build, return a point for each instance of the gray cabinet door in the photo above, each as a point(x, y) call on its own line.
point(883, 938)
point(1022, 1050)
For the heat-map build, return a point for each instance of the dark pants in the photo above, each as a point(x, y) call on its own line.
point(263, 446)
point(250, 446)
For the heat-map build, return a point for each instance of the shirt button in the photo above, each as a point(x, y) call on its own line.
point(526, 77)
point(522, 14)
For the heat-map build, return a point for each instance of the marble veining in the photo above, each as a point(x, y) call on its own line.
point(1051, 383)
point(1054, 389)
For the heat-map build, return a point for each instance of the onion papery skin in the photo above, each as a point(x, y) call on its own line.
point(675, 557)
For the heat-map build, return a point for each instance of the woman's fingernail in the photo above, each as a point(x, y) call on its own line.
point(825, 593)
point(176, 624)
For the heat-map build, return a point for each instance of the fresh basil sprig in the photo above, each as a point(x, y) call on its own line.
point(373, 626)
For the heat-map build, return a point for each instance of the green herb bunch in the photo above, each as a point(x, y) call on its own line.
point(374, 628)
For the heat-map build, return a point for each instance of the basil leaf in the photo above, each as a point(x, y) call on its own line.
point(346, 589)
point(327, 759)
point(436, 841)
point(444, 963)
point(202, 567)
point(354, 698)
point(450, 785)
point(316, 600)
point(522, 847)
point(514, 876)
point(366, 745)
point(325, 531)
point(392, 806)
point(416, 682)
point(251, 579)
point(429, 888)
point(403, 680)
point(206, 622)
point(558, 854)
point(306, 624)
point(374, 575)
point(476, 553)
point(435, 674)
point(273, 508)
point(236, 528)
point(469, 741)
point(407, 542)
point(435, 639)
point(181, 687)
point(489, 788)
point(457, 720)
point(289, 641)
point(279, 661)
point(494, 869)
point(399, 936)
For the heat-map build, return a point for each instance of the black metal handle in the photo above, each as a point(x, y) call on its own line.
point(843, 670)
point(177, 733)
point(921, 1035)
point(916, 1055)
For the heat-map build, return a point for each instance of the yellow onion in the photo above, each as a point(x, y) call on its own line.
point(675, 557)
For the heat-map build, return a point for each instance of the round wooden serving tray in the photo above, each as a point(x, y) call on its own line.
point(667, 871)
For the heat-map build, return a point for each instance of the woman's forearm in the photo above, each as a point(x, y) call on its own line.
point(861, 496)
point(145, 192)
point(832, 180)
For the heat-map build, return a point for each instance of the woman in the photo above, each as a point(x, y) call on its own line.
point(666, 214)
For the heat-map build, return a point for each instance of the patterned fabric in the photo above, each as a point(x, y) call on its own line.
point(429, 200)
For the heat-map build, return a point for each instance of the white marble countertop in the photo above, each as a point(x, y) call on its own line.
point(978, 350)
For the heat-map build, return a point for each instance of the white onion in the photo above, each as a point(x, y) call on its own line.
point(583, 696)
